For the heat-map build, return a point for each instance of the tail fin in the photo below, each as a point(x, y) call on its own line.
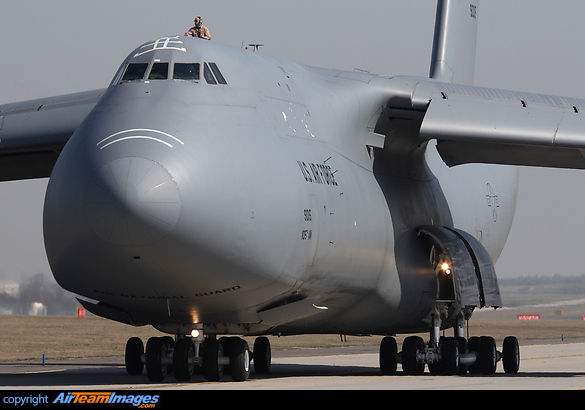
point(453, 59)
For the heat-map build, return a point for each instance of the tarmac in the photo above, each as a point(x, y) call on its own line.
point(552, 365)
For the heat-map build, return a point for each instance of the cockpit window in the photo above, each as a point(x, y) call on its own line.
point(208, 76)
point(217, 73)
point(212, 74)
point(159, 71)
point(186, 71)
point(135, 71)
point(180, 71)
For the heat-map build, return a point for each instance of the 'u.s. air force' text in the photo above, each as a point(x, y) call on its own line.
point(317, 173)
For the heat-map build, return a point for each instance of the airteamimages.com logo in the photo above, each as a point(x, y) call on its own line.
point(141, 401)
point(82, 398)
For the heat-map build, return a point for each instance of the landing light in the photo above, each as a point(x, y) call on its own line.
point(195, 333)
point(445, 267)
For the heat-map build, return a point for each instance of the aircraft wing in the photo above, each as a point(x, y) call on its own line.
point(33, 133)
point(481, 125)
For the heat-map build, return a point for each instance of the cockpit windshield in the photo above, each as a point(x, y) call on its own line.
point(186, 71)
point(178, 71)
point(135, 71)
point(159, 71)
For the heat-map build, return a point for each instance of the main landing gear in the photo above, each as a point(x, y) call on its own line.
point(187, 356)
point(449, 355)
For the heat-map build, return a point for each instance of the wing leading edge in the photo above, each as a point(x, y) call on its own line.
point(33, 133)
point(480, 125)
point(491, 126)
point(505, 127)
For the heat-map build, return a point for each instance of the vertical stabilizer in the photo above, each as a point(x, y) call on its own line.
point(453, 59)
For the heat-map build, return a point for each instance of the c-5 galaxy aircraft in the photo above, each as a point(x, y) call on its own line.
point(210, 191)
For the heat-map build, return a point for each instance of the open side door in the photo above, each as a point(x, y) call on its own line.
point(468, 264)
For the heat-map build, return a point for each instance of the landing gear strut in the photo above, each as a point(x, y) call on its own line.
point(465, 280)
point(449, 355)
point(188, 355)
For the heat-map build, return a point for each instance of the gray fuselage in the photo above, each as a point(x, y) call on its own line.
point(179, 201)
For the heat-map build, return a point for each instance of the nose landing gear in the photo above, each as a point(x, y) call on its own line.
point(189, 355)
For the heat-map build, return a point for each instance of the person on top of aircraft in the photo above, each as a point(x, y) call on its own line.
point(199, 30)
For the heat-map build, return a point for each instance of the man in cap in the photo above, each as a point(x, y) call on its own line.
point(198, 30)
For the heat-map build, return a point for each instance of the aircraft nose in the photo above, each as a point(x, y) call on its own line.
point(102, 222)
point(132, 201)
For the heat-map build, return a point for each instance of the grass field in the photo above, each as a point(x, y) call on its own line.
point(27, 338)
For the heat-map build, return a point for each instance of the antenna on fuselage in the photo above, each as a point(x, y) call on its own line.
point(255, 46)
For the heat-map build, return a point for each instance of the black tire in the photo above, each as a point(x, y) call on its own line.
point(388, 352)
point(488, 356)
point(511, 355)
point(226, 345)
point(183, 360)
point(170, 345)
point(473, 346)
point(239, 360)
point(411, 346)
point(156, 351)
point(133, 356)
point(262, 355)
point(463, 349)
point(436, 366)
point(212, 351)
point(450, 356)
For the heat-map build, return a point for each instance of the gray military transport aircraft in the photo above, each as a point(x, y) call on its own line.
point(211, 191)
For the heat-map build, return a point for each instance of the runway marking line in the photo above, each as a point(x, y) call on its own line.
point(43, 371)
point(552, 357)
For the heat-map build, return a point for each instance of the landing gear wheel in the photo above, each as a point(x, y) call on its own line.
point(239, 360)
point(411, 347)
point(488, 355)
point(450, 355)
point(183, 364)
point(511, 355)
point(226, 346)
point(133, 356)
point(212, 351)
point(473, 346)
point(262, 355)
point(156, 354)
point(388, 352)
point(463, 349)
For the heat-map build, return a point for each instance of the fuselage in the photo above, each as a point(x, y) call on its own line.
point(214, 185)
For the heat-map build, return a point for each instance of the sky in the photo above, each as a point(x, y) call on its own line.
point(64, 46)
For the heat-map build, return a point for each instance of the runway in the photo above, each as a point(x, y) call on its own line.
point(554, 366)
